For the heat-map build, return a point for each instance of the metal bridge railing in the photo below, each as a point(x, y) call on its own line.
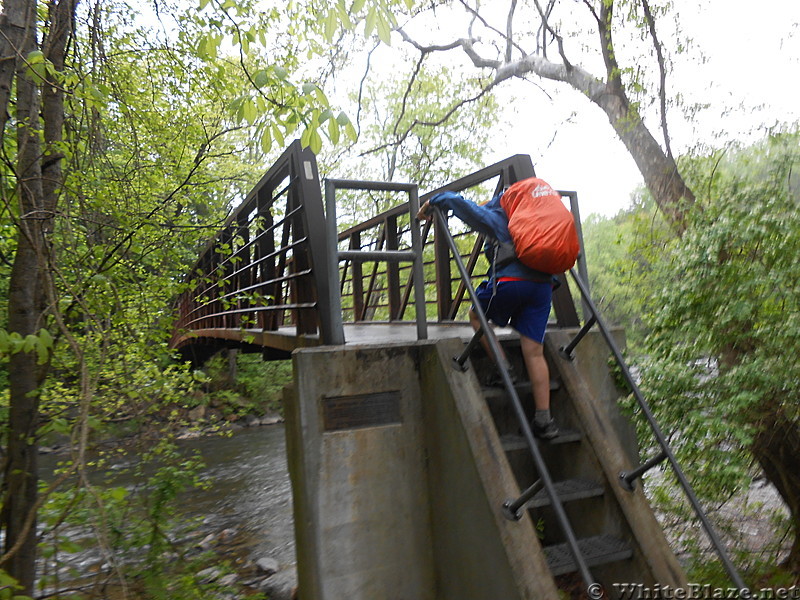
point(382, 291)
point(265, 269)
point(275, 265)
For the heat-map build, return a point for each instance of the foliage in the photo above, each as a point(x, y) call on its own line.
point(270, 44)
point(722, 356)
point(621, 252)
point(729, 287)
point(9, 585)
point(256, 388)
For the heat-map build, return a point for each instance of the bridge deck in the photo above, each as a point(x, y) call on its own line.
point(286, 338)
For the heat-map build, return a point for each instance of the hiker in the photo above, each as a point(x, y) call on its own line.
point(513, 293)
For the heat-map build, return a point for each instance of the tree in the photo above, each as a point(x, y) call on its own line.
point(31, 76)
point(550, 41)
point(724, 370)
point(123, 146)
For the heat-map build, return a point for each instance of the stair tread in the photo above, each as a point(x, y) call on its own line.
point(596, 550)
point(522, 387)
point(568, 490)
point(512, 442)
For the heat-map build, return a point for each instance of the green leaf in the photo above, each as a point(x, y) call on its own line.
point(333, 131)
point(342, 118)
point(308, 88)
point(261, 78)
point(249, 111)
point(357, 6)
point(266, 140)
point(351, 132)
point(409, 4)
point(278, 135)
point(315, 141)
point(384, 30)
point(369, 23)
point(42, 353)
point(118, 493)
point(331, 24)
point(34, 57)
point(280, 72)
point(30, 343)
point(321, 97)
point(45, 338)
point(344, 16)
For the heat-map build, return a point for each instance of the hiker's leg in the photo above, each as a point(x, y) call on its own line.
point(476, 325)
point(538, 371)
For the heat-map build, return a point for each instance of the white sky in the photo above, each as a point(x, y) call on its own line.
point(750, 79)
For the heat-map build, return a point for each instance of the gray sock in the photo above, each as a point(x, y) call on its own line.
point(542, 417)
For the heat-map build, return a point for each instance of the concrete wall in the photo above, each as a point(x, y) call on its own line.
point(402, 510)
point(360, 498)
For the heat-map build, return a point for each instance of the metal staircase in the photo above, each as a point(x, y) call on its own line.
point(562, 488)
point(578, 482)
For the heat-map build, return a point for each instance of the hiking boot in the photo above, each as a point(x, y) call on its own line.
point(548, 431)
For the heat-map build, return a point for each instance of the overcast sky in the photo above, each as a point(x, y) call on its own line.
point(750, 78)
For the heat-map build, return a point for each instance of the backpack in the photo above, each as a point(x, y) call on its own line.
point(541, 227)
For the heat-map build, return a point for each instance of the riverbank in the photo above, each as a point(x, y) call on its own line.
point(231, 536)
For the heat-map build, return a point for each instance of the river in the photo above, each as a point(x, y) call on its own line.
point(247, 504)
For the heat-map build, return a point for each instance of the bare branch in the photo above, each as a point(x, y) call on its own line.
point(361, 85)
point(613, 72)
point(543, 15)
point(407, 93)
point(428, 49)
point(662, 84)
point(417, 123)
point(510, 29)
point(506, 36)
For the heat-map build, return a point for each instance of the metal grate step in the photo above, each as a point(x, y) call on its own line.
point(568, 490)
point(597, 550)
point(511, 442)
point(523, 388)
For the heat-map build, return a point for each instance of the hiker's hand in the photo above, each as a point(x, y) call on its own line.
point(425, 213)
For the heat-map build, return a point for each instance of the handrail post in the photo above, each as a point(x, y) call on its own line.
point(627, 479)
point(391, 254)
point(662, 441)
point(334, 297)
point(566, 351)
point(417, 271)
point(541, 466)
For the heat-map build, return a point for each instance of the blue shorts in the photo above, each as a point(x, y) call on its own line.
point(525, 304)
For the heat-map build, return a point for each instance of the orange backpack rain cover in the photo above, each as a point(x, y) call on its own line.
point(542, 228)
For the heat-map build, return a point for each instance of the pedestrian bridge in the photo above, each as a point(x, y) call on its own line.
point(411, 478)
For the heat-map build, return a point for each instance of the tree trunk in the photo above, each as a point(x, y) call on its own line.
point(658, 169)
point(26, 306)
point(776, 446)
point(17, 23)
point(28, 297)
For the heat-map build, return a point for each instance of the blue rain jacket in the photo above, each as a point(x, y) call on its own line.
point(491, 220)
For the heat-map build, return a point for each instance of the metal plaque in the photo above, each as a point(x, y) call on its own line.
point(361, 410)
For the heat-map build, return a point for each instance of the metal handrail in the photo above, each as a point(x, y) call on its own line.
point(414, 256)
point(661, 439)
point(494, 346)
